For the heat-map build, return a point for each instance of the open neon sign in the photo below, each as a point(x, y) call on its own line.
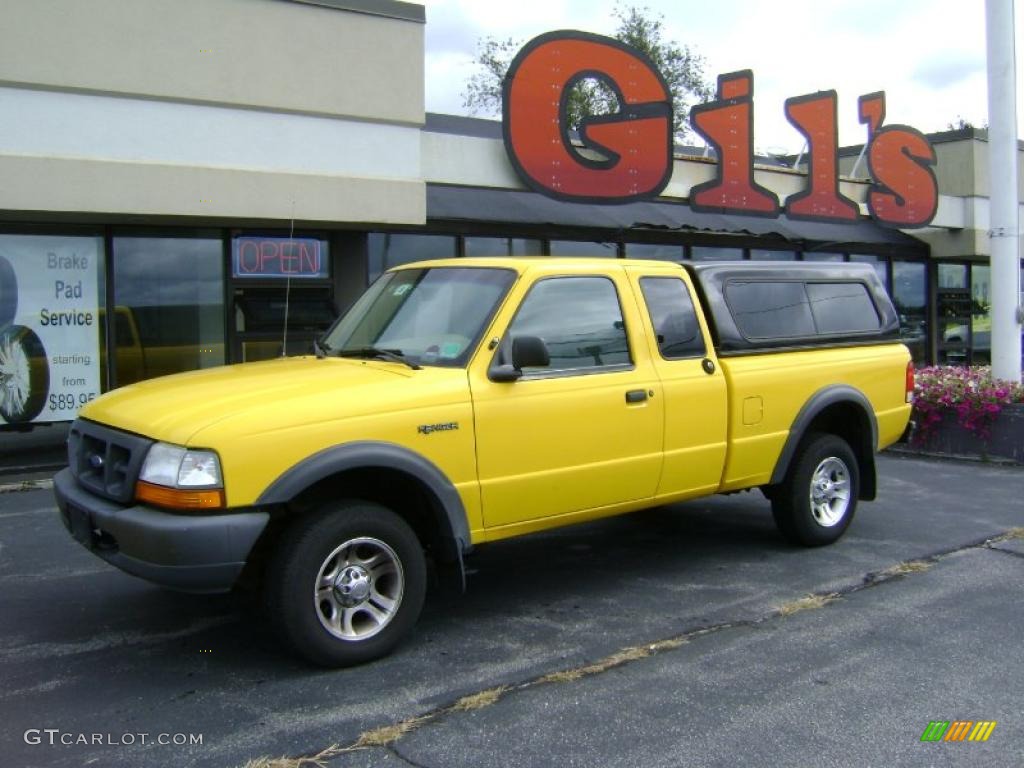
point(298, 257)
point(631, 150)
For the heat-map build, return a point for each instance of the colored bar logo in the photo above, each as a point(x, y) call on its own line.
point(958, 730)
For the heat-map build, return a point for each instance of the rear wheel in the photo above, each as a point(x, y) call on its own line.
point(347, 583)
point(816, 502)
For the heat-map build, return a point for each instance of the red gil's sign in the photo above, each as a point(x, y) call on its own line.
point(635, 143)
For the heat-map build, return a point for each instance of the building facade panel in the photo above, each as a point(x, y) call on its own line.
point(265, 54)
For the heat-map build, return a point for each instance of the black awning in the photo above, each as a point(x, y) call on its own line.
point(507, 206)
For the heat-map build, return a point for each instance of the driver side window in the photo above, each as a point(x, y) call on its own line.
point(580, 321)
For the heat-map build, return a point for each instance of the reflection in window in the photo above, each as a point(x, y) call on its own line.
point(952, 275)
point(822, 256)
point(909, 294)
point(673, 317)
point(432, 316)
point(954, 313)
point(583, 248)
point(707, 253)
point(981, 314)
point(502, 246)
point(770, 310)
point(654, 251)
point(387, 250)
point(842, 308)
point(169, 305)
point(580, 320)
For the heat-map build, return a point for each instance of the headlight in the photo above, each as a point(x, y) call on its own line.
point(181, 478)
point(178, 467)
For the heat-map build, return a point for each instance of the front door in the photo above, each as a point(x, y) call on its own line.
point(583, 433)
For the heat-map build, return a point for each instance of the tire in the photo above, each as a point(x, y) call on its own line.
point(24, 374)
point(816, 502)
point(8, 293)
point(377, 568)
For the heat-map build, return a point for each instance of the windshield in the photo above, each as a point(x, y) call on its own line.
point(427, 316)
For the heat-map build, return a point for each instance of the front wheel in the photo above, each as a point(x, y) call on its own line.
point(815, 503)
point(346, 584)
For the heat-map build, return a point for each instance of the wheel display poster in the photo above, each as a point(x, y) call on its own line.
point(49, 328)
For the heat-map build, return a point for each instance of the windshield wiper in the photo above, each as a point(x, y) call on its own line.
point(393, 355)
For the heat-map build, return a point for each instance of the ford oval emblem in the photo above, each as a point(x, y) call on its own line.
point(95, 461)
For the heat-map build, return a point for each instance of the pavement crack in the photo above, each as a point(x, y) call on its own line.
point(407, 760)
point(1007, 551)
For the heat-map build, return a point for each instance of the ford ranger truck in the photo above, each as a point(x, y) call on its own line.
point(465, 401)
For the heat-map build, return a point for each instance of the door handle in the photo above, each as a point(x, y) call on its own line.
point(636, 395)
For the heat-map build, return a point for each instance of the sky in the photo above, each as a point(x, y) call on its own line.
point(927, 55)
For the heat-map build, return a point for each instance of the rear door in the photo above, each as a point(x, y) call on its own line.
point(696, 393)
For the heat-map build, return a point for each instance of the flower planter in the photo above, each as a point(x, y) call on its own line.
point(1005, 438)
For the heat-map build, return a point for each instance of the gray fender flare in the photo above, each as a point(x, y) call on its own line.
point(838, 394)
point(449, 513)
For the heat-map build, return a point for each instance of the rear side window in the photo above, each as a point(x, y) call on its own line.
point(770, 310)
point(842, 308)
point(673, 317)
point(794, 309)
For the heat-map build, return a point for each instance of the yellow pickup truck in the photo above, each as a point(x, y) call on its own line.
point(465, 401)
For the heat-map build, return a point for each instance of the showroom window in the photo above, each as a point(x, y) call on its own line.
point(709, 253)
point(583, 248)
point(758, 254)
point(877, 263)
point(391, 249)
point(502, 246)
point(910, 295)
point(655, 251)
point(168, 306)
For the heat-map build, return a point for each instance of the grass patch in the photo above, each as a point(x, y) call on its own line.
point(381, 737)
point(479, 700)
point(608, 662)
point(1010, 535)
point(26, 485)
point(319, 760)
point(809, 603)
point(902, 569)
point(618, 658)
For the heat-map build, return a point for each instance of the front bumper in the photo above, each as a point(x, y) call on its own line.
point(192, 553)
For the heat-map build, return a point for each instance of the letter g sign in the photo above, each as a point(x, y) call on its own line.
point(635, 142)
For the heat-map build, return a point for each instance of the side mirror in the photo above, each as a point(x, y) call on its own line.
point(527, 352)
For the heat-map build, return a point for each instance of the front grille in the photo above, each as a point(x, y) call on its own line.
point(106, 461)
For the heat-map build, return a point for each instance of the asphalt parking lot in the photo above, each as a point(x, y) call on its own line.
point(683, 636)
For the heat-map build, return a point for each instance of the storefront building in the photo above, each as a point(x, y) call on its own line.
point(211, 181)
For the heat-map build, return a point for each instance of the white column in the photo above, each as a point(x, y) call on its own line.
point(1002, 157)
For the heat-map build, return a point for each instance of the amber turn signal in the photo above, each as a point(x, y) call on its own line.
point(176, 498)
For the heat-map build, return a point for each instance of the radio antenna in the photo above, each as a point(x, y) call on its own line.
point(288, 288)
